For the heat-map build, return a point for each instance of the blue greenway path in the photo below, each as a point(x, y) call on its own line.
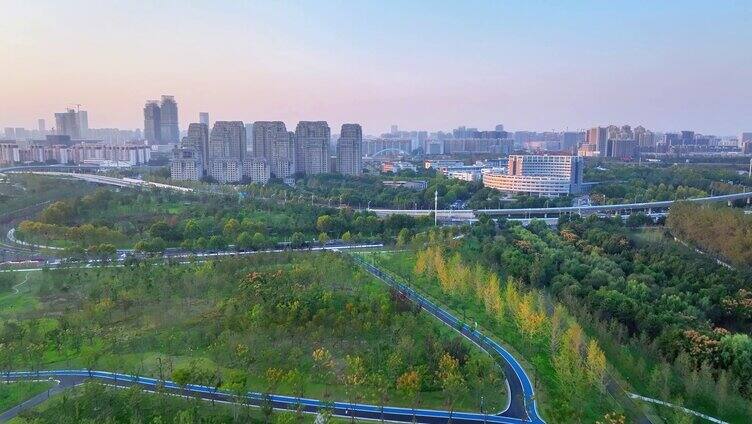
point(522, 408)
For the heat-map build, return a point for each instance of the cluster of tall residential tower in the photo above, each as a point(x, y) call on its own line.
point(223, 154)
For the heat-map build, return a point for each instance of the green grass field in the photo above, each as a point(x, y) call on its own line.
point(11, 394)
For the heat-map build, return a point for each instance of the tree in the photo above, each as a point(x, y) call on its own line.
point(160, 230)
point(216, 243)
point(451, 379)
point(237, 383)
point(183, 375)
point(595, 364)
point(324, 367)
point(325, 224)
point(355, 376)
point(403, 238)
point(323, 238)
point(192, 230)
point(409, 385)
point(258, 242)
point(244, 241)
point(736, 354)
point(231, 228)
point(297, 240)
point(58, 213)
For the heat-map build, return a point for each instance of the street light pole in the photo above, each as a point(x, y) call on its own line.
point(435, 207)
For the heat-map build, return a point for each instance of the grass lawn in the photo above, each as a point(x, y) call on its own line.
point(11, 394)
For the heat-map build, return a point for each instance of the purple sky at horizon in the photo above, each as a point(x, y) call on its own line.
point(431, 65)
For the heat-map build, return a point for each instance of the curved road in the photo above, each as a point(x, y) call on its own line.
point(522, 407)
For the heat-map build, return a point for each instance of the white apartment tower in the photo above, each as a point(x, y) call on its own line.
point(265, 133)
point(227, 151)
point(350, 150)
point(312, 147)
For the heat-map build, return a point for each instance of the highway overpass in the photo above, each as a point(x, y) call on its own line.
point(624, 209)
point(101, 179)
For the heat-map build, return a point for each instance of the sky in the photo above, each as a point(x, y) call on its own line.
point(530, 65)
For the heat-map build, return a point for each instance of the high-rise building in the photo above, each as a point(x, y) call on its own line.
point(570, 140)
point(82, 117)
point(499, 127)
point(152, 123)
point(312, 147)
point(203, 118)
point(350, 150)
point(598, 138)
point(198, 139)
point(186, 164)
point(283, 155)
point(394, 129)
point(169, 130)
point(66, 123)
point(687, 138)
point(41, 125)
point(227, 140)
point(745, 137)
point(227, 151)
point(622, 149)
point(265, 133)
point(256, 170)
point(10, 133)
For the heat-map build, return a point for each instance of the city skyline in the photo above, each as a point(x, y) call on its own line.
point(538, 67)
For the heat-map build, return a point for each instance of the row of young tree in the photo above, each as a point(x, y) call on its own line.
point(721, 231)
point(578, 363)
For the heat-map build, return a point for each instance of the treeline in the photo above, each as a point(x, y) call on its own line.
point(154, 221)
point(637, 183)
point(721, 231)
point(86, 234)
point(359, 192)
point(684, 318)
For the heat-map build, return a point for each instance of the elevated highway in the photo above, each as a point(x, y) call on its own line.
point(101, 179)
point(527, 213)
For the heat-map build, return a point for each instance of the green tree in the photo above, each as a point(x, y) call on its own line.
point(297, 240)
point(231, 228)
point(244, 240)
